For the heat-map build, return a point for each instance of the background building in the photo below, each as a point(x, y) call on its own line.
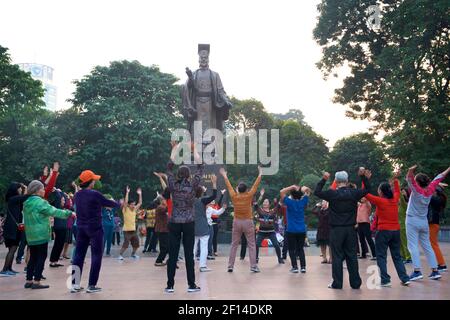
point(45, 75)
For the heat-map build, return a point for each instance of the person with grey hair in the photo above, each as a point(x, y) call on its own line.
point(343, 205)
point(36, 214)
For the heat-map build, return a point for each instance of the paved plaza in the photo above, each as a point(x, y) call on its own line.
point(140, 279)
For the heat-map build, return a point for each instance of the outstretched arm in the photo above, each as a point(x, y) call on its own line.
point(139, 204)
point(257, 182)
point(227, 182)
point(318, 192)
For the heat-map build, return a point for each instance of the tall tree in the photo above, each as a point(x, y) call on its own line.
point(292, 114)
point(20, 105)
point(399, 73)
point(124, 116)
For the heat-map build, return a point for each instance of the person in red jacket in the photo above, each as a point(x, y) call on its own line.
point(388, 230)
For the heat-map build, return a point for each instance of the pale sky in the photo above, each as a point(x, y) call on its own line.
point(261, 49)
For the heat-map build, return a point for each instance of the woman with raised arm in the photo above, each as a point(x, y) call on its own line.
point(243, 219)
point(182, 189)
point(417, 229)
point(296, 227)
point(388, 235)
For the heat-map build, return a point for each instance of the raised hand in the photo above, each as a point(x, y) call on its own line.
point(127, 189)
point(214, 179)
point(157, 174)
point(368, 173)
point(413, 168)
point(262, 191)
point(56, 166)
point(139, 191)
point(326, 175)
point(397, 174)
point(45, 171)
point(260, 170)
point(223, 172)
point(361, 171)
point(223, 191)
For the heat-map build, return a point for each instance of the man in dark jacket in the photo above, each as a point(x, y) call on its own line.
point(343, 204)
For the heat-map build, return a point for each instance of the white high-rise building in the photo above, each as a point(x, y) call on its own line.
point(45, 75)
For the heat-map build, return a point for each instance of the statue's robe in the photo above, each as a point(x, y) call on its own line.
point(204, 99)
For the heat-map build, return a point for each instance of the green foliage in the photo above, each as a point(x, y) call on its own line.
point(399, 75)
point(360, 150)
point(20, 105)
point(302, 151)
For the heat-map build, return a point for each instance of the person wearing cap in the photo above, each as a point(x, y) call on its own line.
point(89, 203)
point(343, 205)
point(36, 214)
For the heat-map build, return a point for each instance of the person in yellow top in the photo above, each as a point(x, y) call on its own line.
point(151, 239)
point(242, 199)
point(130, 211)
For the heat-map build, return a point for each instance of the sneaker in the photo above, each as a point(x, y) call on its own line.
point(230, 269)
point(294, 270)
point(407, 261)
point(39, 286)
point(76, 289)
point(205, 269)
point(387, 284)
point(405, 283)
point(215, 254)
point(7, 273)
point(362, 257)
point(373, 259)
point(134, 256)
point(330, 286)
point(255, 269)
point(14, 271)
point(241, 258)
point(442, 268)
point(303, 270)
point(56, 265)
point(435, 275)
point(416, 275)
point(119, 258)
point(193, 289)
point(160, 264)
point(211, 258)
point(28, 285)
point(281, 261)
point(93, 289)
point(169, 290)
point(144, 251)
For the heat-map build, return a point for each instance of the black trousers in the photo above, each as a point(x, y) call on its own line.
point(366, 235)
point(296, 248)
point(389, 239)
point(58, 245)
point(244, 245)
point(163, 246)
point(216, 231)
point(285, 246)
point(343, 243)
point(21, 250)
point(38, 255)
point(273, 238)
point(151, 240)
point(178, 232)
point(116, 235)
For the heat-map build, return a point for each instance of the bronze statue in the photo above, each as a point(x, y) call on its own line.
point(203, 96)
